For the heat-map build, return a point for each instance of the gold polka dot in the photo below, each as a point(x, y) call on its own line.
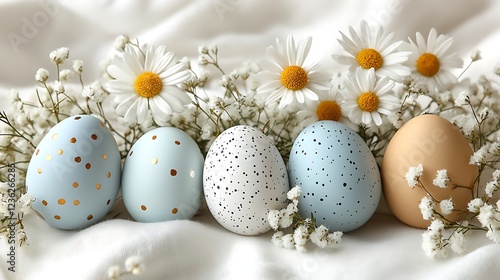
point(90, 217)
point(93, 136)
point(40, 170)
point(44, 202)
point(48, 157)
point(97, 186)
point(72, 140)
point(57, 217)
point(101, 124)
point(76, 202)
point(60, 152)
point(78, 117)
point(108, 202)
point(37, 152)
point(54, 136)
point(88, 165)
point(108, 174)
point(154, 161)
point(104, 156)
point(154, 137)
point(78, 159)
point(173, 172)
point(177, 142)
point(75, 185)
point(175, 210)
point(143, 207)
point(61, 201)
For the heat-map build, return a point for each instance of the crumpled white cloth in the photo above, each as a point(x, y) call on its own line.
point(201, 249)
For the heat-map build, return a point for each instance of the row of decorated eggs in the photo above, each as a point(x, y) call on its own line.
point(74, 176)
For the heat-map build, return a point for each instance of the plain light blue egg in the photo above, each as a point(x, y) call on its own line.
point(162, 176)
point(338, 175)
point(74, 174)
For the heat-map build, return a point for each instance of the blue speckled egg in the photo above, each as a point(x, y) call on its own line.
point(162, 176)
point(74, 174)
point(338, 175)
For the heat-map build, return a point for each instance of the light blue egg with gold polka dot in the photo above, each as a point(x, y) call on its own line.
point(162, 176)
point(74, 173)
point(338, 175)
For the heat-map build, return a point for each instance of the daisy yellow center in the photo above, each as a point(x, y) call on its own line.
point(368, 102)
point(148, 84)
point(294, 77)
point(370, 58)
point(428, 64)
point(328, 110)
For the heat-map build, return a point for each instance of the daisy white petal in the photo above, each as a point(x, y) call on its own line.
point(292, 80)
point(149, 84)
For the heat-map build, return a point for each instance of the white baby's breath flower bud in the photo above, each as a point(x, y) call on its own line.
point(134, 265)
point(202, 60)
point(493, 234)
point(78, 66)
point(441, 178)
point(483, 115)
point(42, 75)
point(273, 218)
point(202, 49)
point(433, 240)
point(427, 207)
point(288, 241)
point(446, 206)
point(114, 272)
point(474, 205)
point(294, 193)
point(58, 86)
point(496, 175)
point(300, 237)
point(413, 175)
point(65, 75)
point(94, 92)
point(59, 55)
point(475, 55)
point(486, 215)
point(490, 188)
point(457, 242)
point(480, 155)
point(24, 203)
point(277, 239)
point(225, 80)
point(462, 99)
point(121, 42)
point(320, 236)
point(286, 219)
point(466, 123)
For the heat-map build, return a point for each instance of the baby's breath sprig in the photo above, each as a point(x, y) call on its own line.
point(133, 266)
point(304, 229)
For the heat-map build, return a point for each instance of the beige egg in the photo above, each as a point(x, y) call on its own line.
point(437, 144)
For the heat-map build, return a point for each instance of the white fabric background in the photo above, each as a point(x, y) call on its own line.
point(201, 249)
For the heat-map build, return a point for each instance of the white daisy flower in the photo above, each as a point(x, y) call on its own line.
point(432, 61)
point(290, 78)
point(147, 82)
point(372, 48)
point(366, 97)
point(327, 107)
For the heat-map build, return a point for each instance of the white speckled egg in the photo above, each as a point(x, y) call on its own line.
point(244, 177)
point(162, 176)
point(338, 175)
point(74, 174)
